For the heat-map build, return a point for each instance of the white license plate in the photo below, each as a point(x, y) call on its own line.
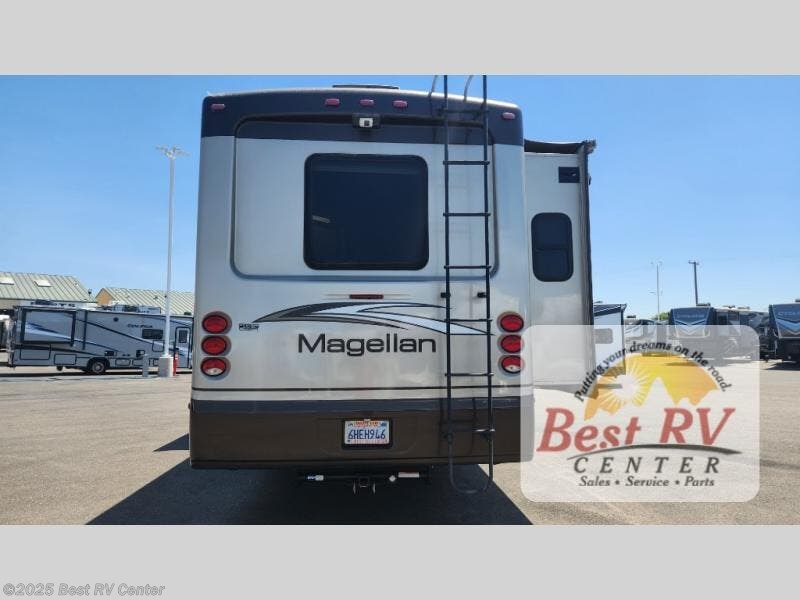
point(366, 432)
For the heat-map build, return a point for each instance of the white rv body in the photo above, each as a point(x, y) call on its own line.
point(309, 350)
point(94, 340)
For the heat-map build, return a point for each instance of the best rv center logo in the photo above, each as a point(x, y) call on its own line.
point(656, 419)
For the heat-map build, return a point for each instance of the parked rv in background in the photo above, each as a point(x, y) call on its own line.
point(94, 340)
point(4, 321)
point(784, 320)
point(714, 329)
point(609, 332)
point(367, 260)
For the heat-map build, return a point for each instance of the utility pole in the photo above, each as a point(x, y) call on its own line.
point(657, 264)
point(165, 361)
point(694, 264)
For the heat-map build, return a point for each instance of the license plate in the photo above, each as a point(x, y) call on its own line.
point(366, 432)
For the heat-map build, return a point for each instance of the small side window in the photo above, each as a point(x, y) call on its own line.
point(152, 334)
point(183, 336)
point(551, 238)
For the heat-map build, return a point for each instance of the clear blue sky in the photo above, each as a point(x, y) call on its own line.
point(702, 168)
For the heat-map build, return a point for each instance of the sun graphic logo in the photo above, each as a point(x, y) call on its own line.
point(629, 382)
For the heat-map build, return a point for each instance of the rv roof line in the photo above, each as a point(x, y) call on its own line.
point(368, 86)
point(375, 90)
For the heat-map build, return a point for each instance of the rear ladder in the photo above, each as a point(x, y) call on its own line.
point(487, 433)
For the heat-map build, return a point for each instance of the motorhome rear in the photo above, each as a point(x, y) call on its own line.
point(324, 261)
point(785, 326)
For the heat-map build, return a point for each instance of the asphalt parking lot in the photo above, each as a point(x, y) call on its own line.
point(114, 450)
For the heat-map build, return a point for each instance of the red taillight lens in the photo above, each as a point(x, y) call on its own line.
point(511, 364)
point(215, 323)
point(214, 345)
point(511, 322)
point(213, 367)
point(511, 343)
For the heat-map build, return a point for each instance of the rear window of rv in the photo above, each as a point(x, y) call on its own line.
point(366, 212)
point(551, 235)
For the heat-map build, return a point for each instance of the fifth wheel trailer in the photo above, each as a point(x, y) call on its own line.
point(368, 259)
point(94, 340)
point(785, 331)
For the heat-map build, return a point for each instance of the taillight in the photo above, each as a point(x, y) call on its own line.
point(213, 367)
point(216, 323)
point(511, 322)
point(511, 363)
point(214, 345)
point(511, 343)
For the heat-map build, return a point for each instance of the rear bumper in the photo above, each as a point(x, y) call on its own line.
point(309, 433)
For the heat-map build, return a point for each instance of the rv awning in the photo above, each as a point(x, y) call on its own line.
point(558, 147)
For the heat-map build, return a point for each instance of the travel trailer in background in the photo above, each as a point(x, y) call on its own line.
point(94, 340)
point(609, 333)
point(369, 260)
point(785, 331)
point(709, 328)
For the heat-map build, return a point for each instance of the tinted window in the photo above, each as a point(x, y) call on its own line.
point(551, 235)
point(366, 212)
point(183, 336)
point(153, 334)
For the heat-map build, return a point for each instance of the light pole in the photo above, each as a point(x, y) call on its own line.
point(694, 264)
point(657, 265)
point(165, 361)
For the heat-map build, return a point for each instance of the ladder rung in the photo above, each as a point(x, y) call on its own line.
point(467, 214)
point(482, 320)
point(489, 430)
point(468, 266)
point(470, 374)
point(465, 162)
point(468, 428)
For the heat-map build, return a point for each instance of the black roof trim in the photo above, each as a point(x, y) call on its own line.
point(423, 110)
point(558, 147)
